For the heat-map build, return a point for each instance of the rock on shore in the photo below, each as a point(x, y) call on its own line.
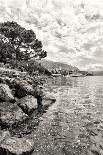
point(10, 114)
point(5, 93)
point(48, 100)
point(28, 104)
point(22, 88)
point(18, 100)
point(15, 146)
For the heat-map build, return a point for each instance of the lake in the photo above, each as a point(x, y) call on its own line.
point(73, 125)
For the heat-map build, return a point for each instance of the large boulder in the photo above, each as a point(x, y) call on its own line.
point(4, 135)
point(28, 104)
point(11, 114)
point(22, 88)
point(15, 146)
point(6, 94)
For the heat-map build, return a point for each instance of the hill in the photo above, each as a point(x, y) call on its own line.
point(58, 67)
point(98, 73)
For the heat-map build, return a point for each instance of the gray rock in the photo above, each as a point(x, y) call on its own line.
point(6, 94)
point(48, 100)
point(4, 135)
point(50, 97)
point(11, 114)
point(28, 104)
point(22, 88)
point(38, 91)
point(2, 80)
point(15, 146)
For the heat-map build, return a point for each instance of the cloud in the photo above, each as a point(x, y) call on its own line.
point(71, 31)
point(95, 67)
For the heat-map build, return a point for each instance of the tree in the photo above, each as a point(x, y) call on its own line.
point(6, 52)
point(20, 44)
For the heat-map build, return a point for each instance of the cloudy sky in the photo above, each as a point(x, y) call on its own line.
point(71, 30)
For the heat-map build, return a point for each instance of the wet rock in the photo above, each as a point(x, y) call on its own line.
point(50, 97)
point(15, 146)
point(11, 114)
point(38, 91)
point(6, 94)
point(28, 104)
point(48, 100)
point(2, 80)
point(22, 88)
point(4, 135)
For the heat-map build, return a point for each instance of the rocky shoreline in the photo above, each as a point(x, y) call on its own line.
point(19, 114)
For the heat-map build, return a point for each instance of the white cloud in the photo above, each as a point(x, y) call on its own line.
point(94, 67)
point(71, 33)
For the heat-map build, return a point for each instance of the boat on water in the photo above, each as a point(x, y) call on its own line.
point(69, 75)
point(77, 75)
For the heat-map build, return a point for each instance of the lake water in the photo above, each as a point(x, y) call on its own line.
point(73, 125)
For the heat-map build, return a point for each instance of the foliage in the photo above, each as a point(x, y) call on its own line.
point(6, 51)
point(20, 44)
point(32, 67)
point(58, 68)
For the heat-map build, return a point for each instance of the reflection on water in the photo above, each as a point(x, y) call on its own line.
point(74, 124)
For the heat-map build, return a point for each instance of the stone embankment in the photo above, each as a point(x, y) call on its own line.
point(18, 112)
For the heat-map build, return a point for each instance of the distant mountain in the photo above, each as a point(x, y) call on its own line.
point(57, 67)
point(98, 73)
